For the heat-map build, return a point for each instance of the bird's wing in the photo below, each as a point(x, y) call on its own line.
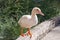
point(24, 18)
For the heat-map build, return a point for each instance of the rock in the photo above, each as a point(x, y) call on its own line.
point(39, 31)
point(57, 20)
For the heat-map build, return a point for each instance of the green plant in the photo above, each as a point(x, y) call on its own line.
point(12, 10)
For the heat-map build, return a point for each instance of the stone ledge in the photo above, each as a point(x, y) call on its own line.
point(39, 31)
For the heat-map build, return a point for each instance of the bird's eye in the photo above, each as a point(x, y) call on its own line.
point(37, 10)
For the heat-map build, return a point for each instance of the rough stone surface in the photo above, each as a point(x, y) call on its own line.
point(39, 31)
point(57, 20)
point(53, 35)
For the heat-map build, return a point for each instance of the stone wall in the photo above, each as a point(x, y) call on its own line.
point(39, 31)
point(57, 20)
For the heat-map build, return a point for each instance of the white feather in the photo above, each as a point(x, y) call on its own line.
point(27, 21)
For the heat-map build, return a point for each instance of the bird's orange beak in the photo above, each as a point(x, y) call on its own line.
point(41, 13)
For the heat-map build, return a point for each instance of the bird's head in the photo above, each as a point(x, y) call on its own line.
point(37, 11)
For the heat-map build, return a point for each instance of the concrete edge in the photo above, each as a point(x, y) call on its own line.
point(39, 31)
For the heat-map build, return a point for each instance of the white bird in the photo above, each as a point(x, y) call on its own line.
point(28, 21)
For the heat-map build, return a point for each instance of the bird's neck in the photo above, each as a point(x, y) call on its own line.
point(33, 14)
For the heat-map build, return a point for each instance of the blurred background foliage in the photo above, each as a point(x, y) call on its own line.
point(12, 10)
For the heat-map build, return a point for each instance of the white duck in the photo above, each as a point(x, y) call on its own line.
point(27, 21)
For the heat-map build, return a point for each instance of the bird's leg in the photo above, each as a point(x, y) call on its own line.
point(29, 32)
point(22, 34)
